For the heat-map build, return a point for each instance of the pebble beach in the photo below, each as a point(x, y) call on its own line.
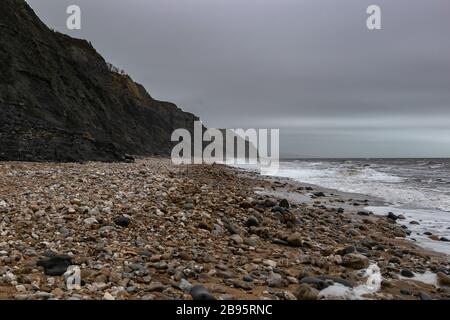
point(151, 230)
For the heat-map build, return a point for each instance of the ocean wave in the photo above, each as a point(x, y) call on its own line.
point(359, 178)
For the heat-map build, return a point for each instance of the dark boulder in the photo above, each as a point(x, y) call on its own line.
point(201, 293)
point(407, 273)
point(55, 265)
point(252, 222)
point(284, 204)
point(319, 194)
point(122, 221)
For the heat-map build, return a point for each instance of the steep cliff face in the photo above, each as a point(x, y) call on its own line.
point(60, 102)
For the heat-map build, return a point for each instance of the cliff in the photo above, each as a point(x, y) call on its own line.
point(59, 101)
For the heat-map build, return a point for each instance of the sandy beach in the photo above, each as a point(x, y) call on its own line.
point(151, 230)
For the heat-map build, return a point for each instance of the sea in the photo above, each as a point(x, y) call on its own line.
point(417, 188)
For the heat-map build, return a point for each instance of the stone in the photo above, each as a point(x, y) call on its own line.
point(336, 280)
point(269, 203)
point(64, 232)
point(233, 229)
point(185, 285)
point(252, 222)
point(156, 286)
point(395, 260)
point(56, 265)
point(353, 232)
point(278, 209)
point(407, 273)
point(284, 204)
point(406, 292)
point(206, 225)
point(108, 296)
point(236, 239)
point(122, 221)
point(270, 263)
point(392, 216)
point(363, 213)
point(434, 237)
point(188, 206)
point(295, 240)
point(355, 261)
point(245, 205)
point(306, 292)
point(90, 221)
point(318, 283)
point(319, 194)
point(443, 279)
point(424, 296)
point(275, 280)
point(201, 293)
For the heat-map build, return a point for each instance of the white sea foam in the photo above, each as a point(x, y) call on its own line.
point(428, 278)
point(339, 291)
point(418, 189)
point(436, 222)
point(365, 180)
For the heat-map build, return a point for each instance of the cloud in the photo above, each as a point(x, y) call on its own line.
point(273, 63)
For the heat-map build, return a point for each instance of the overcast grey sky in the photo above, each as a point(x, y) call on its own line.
point(308, 67)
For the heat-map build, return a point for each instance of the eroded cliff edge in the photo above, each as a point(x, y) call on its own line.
point(60, 102)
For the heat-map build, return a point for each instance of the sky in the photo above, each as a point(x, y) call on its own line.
point(308, 67)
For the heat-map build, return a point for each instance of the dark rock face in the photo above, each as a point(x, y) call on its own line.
point(60, 102)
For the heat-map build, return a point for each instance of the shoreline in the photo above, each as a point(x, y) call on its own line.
point(197, 225)
point(354, 202)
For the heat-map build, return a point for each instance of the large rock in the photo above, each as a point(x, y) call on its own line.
point(55, 265)
point(355, 261)
point(201, 293)
point(443, 279)
point(295, 240)
point(306, 292)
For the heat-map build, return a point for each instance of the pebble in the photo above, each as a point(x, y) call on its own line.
point(275, 280)
point(56, 265)
point(407, 273)
point(424, 296)
point(270, 263)
point(355, 261)
point(295, 240)
point(90, 221)
point(318, 283)
point(122, 221)
point(306, 292)
point(156, 286)
point(443, 279)
point(201, 293)
point(252, 222)
point(108, 296)
point(185, 285)
point(284, 204)
point(236, 239)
